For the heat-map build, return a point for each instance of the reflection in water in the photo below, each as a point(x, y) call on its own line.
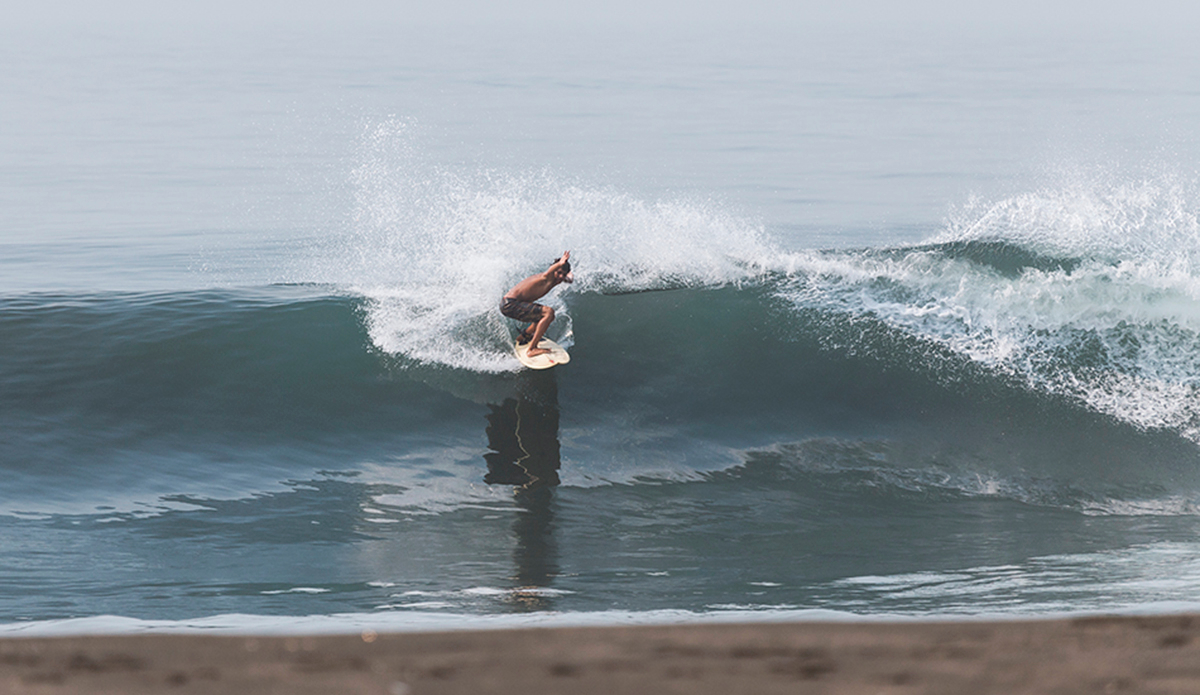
point(535, 556)
point(523, 437)
point(523, 451)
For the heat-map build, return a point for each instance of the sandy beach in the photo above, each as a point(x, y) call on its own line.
point(1085, 655)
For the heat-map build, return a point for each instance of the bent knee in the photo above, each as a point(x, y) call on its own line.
point(548, 314)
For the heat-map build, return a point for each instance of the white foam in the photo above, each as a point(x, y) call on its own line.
point(1117, 327)
point(393, 619)
point(409, 621)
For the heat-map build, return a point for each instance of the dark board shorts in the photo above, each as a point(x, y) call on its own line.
point(521, 311)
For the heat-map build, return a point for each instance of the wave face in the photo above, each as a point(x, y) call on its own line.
point(995, 361)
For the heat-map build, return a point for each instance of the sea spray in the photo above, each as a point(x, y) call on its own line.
point(433, 250)
point(1097, 215)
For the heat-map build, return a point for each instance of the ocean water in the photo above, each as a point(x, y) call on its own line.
point(871, 321)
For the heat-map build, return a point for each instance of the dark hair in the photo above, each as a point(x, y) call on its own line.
point(566, 268)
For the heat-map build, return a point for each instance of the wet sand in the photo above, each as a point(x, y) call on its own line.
point(1085, 655)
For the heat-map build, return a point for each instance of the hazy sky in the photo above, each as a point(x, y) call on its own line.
point(1062, 14)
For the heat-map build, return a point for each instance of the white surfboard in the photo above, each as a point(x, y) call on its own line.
point(557, 355)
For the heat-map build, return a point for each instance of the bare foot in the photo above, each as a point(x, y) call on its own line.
point(535, 351)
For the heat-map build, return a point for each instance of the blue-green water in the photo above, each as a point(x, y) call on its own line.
point(867, 322)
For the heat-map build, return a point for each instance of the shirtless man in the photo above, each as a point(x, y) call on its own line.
point(518, 303)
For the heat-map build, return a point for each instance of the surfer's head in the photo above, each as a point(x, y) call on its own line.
point(564, 273)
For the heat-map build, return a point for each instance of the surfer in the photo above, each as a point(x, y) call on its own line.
point(518, 303)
